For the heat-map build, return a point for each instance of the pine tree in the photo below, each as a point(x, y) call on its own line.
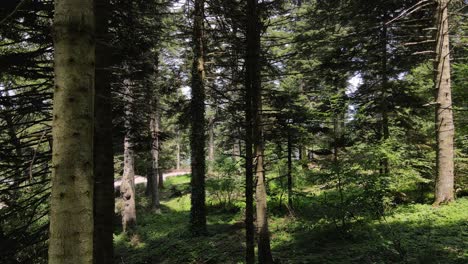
point(103, 148)
point(71, 209)
point(445, 128)
point(197, 137)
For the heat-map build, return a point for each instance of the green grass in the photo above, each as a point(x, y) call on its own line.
point(413, 233)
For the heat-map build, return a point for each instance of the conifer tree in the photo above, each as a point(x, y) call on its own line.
point(71, 209)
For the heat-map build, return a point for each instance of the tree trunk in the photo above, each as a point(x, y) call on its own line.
point(251, 61)
point(289, 170)
point(178, 151)
point(103, 149)
point(254, 85)
point(197, 137)
point(127, 188)
point(161, 179)
point(211, 143)
point(155, 147)
point(445, 128)
point(71, 201)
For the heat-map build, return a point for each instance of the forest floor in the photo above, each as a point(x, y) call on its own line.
point(411, 233)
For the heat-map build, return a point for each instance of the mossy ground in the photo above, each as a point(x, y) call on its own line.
point(411, 233)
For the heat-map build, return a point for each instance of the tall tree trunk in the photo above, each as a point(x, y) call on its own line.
point(197, 137)
point(252, 67)
point(103, 152)
point(264, 251)
point(254, 85)
point(155, 147)
point(445, 128)
point(127, 188)
point(71, 202)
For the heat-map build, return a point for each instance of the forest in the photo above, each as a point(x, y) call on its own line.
point(233, 131)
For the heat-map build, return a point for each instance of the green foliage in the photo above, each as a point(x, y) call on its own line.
point(224, 184)
point(412, 233)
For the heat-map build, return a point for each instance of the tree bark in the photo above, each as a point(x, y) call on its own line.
point(211, 143)
point(71, 202)
point(445, 128)
point(254, 85)
point(103, 149)
point(197, 137)
point(251, 60)
point(127, 188)
point(178, 150)
point(155, 147)
point(290, 170)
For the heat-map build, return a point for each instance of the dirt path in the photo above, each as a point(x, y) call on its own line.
point(142, 179)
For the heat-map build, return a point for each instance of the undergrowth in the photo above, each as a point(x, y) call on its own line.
point(410, 233)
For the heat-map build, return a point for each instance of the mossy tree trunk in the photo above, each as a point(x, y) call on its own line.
point(445, 128)
point(71, 202)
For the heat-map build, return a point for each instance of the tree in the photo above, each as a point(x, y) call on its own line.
point(445, 128)
point(71, 207)
point(127, 188)
point(251, 72)
point(155, 123)
point(255, 132)
point(103, 148)
point(197, 137)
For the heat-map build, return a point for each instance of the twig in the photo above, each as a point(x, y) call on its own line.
point(13, 12)
point(34, 156)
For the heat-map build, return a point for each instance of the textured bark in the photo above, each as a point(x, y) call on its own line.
point(211, 143)
point(71, 202)
point(127, 188)
point(264, 251)
point(197, 136)
point(155, 147)
point(289, 171)
point(445, 128)
point(103, 149)
point(251, 70)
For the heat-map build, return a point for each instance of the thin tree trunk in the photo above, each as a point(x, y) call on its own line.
point(178, 151)
point(103, 149)
point(289, 170)
point(155, 147)
point(211, 143)
point(197, 140)
point(445, 128)
point(127, 189)
point(71, 201)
